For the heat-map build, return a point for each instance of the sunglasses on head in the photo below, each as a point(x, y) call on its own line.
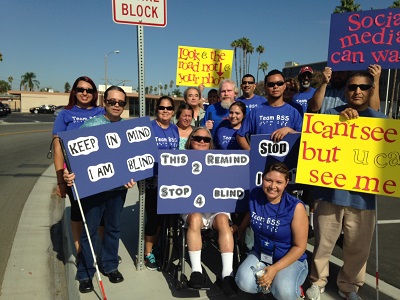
point(81, 90)
point(199, 138)
point(112, 102)
point(363, 87)
point(247, 82)
point(165, 107)
point(272, 84)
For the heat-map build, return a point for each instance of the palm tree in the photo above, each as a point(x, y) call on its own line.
point(235, 45)
point(150, 89)
point(396, 4)
point(260, 49)
point(263, 67)
point(250, 50)
point(67, 87)
point(171, 85)
point(347, 6)
point(165, 87)
point(1, 57)
point(29, 80)
point(10, 80)
point(246, 46)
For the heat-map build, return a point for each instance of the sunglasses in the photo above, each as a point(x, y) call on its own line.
point(247, 82)
point(165, 107)
point(81, 90)
point(363, 87)
point(112, 102)
point(199, 138)
point(272, 84)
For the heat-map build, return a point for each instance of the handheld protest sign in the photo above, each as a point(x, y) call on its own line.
point(361, 38)
point(264, 152)
point(203, 181)
point(108, 156)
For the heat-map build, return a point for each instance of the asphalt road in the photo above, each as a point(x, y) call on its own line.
point(23, 150)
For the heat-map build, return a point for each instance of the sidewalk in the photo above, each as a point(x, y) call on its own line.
point(32, 265)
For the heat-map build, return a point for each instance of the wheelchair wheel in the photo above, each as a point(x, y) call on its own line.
point(167, 241)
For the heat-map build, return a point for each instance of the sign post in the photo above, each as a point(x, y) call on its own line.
point(141, 13)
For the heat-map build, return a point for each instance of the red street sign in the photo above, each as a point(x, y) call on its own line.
point(140, 12)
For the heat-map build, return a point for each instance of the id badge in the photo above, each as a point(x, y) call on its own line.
point(266, 258)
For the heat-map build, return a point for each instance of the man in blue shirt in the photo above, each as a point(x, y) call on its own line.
point(353, 212)
point(306, 91)
point(274, 117)
point(249, 98)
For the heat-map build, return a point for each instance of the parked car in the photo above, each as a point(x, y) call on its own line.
point(57, 110)
point(43, 109)
point(7, 107)
point(3, 110)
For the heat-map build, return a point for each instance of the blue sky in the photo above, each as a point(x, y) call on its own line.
point(61, 40)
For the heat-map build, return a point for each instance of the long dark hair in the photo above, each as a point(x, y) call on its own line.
point(72, 96)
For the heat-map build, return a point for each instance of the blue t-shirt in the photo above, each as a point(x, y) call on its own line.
point(342, 197)
point(303, 97)
point(272, 222)
point(69, 119)
point(216, 113)
point(297, 106)
point(166, 138)
point(225, 137)
point(266, 119)
point(252, 103)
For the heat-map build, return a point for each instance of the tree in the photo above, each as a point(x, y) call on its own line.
point(396, 4)
point(171, 85)
point(4, 86)
point(177, 92)
point(165, 87)
point(10, 80)
point(150, 89)
point(235, 45)
point(250, 50)
point(1, 57)
point(146, 90)
point(347, 6)
point(263, 67)
point(260, 50)
point(67, 87)
point(29, 80)
point(155, 89)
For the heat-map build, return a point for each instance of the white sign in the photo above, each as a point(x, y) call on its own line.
point(140, 12)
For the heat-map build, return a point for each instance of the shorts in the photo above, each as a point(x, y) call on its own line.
point(208, 218)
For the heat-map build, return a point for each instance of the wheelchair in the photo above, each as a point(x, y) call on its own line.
point(174, 251)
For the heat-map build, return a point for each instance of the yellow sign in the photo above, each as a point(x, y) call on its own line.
point(360, 155)
point(203, 65)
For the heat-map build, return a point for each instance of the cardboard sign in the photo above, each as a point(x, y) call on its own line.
point(203, 181)
point(108, 156)
point(206, 66)
point(360, 155)
point(265, 152)
point(358, 39)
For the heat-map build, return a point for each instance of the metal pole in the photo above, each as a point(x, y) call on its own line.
point(387, 93)
point(105, 67)
point(142, 112)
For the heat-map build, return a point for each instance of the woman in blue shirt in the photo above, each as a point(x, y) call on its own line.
point(280, 226)
point(225, 134)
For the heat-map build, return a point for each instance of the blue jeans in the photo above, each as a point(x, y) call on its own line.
point(109, 203)
point(286, 284)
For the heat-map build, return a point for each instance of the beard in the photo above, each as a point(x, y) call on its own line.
point(226, 103)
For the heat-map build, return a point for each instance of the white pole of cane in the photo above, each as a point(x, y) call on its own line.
point(376, 249)
point(90, 242)
point(387, 93)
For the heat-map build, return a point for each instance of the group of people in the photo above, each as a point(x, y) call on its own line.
point(278, 219)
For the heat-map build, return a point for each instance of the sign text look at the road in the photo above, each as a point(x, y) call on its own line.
point(140, 12)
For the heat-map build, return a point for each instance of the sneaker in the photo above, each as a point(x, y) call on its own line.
point(229, 287)
point(349, 296)
point(314, 292)
point(197, 280)
point(150, 262)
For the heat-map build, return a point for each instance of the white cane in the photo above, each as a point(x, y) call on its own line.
point(84, 223)
point(376, 250)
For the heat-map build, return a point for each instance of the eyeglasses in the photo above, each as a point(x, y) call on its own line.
point(363, 87)
point(199, 138)
point(81, 90)
point(112, 102)
point(272, 84)
point(165, 108)
point(247, 82)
